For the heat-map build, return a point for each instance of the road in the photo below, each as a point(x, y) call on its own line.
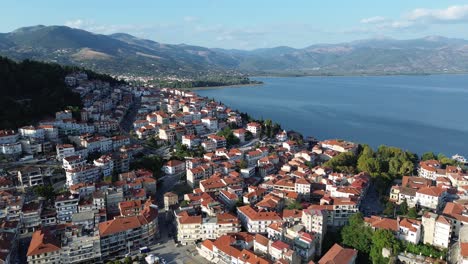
point(166, 248)
point(371, 204)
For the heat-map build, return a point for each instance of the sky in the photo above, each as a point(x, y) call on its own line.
point(246, 24)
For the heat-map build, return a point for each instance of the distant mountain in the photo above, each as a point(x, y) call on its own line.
point(124, 53)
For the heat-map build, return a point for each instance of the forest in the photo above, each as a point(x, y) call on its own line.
point(32, 90)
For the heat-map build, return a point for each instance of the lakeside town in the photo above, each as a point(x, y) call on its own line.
point(160, 175)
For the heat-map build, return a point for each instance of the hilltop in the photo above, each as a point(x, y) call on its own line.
point(142, 57)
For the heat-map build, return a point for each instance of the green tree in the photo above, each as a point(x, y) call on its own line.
point(383, 238)
point(356, 234)
point(46, 191)
point(243, 164)
point(294, 205)
point(389, 209)
point(345, 161)
point(413, 213)
point(403, 209)
point(428, 156)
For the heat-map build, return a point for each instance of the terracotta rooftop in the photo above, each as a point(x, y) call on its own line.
point(338, 255)
point(42, 241)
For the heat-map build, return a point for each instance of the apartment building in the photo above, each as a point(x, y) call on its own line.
point(193, 227)
point(122, 233)
point(255, 221)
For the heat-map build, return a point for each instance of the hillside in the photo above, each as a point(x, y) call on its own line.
point(33, 90)
point(107, 53)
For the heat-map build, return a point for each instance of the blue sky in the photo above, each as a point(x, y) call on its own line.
point(246, 24)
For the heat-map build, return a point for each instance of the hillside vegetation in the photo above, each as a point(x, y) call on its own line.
point(31, 90)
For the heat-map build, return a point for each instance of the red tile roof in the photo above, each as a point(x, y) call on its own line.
point(338, 255)
point(42, 242)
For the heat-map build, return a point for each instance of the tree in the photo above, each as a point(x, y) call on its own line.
point(413, 213)
point(383, 238)
point(369, 165)
point(356, 234)
point(345, 161)
point(243, 164)
point(428, 156)
point(403, 209)
point(294, 205)
point(389, 209)
point(248, 136)
point(46, 191)
point(229, 136)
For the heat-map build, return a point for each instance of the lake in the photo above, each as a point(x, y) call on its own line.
point(418, 113)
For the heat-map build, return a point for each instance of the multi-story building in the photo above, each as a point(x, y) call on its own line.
point(437, 230)
point(64, 150)
point(170, 199)
point(80, 246)
point(409, 230)
point(195, 175)
point(32, 132)
point(8, 137)
point(254, 128)
point(338, 210)
point(131, 232)
point(430, 197)
point(31, 216)
point(87, 173)
point(315, 221)
point(256, 221)
point(192, 228)
point(339, 255)
point(44, 248)
point(174, 167)
point(339, 145)
point(30, 177)
point(66, 206)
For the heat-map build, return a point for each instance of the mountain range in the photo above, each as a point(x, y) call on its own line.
point(122, 53)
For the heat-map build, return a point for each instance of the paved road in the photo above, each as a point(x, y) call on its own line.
point(166, 248)
point(371, 204)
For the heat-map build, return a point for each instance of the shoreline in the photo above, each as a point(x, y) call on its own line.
point(219, 87)
point(292, 75)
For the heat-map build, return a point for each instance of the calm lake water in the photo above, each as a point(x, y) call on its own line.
point(417, 113)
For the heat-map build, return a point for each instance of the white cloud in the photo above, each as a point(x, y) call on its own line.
point(373, 20)
point(77, 23)
point(450, 14)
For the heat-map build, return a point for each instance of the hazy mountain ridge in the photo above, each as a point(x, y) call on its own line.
point(108, 53)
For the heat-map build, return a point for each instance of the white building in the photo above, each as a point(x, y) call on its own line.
point(64, 150)
point(191, 228)
point(211, 123)
point(437, 230)
point(32, 132)
point(409, 230)
point(256, 221)
point(66, 206)
point(11, 148)
point(87, 173)
point(430, 197)
point(254, 128)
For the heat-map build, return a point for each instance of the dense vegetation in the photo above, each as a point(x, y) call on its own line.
point(32, 90)
point(210, 81)
point(440, 157)
point(370, 243)
point(152, 163)
point(384, 165)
